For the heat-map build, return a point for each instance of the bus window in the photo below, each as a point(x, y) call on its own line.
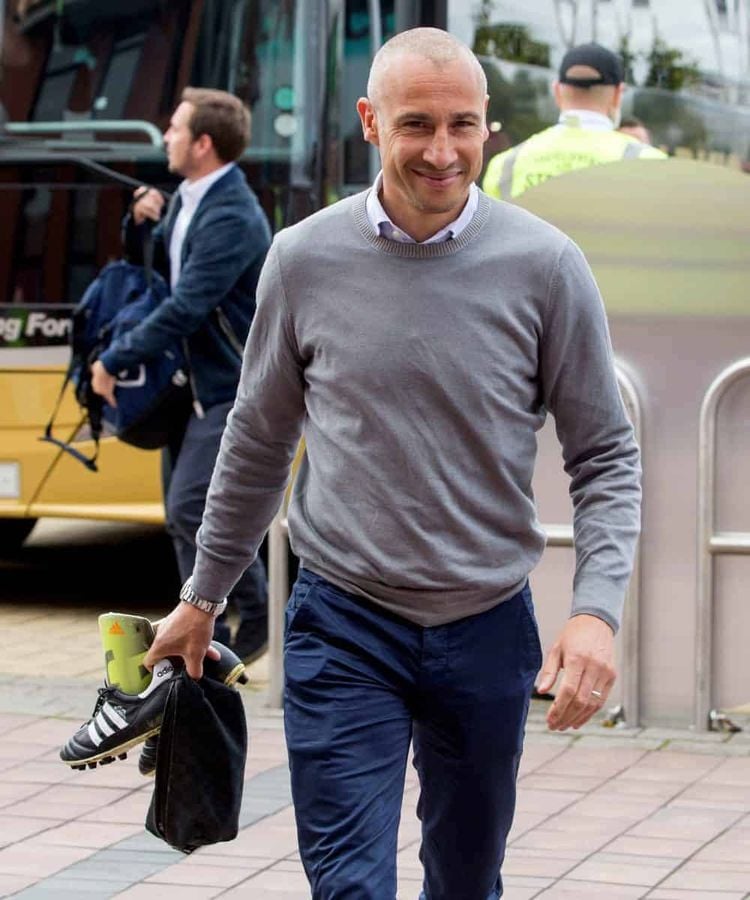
point(62, 225)
point(357, 58)
point(118, 61)
point(70, 68)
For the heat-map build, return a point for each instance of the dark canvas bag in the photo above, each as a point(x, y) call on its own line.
point(200, 765)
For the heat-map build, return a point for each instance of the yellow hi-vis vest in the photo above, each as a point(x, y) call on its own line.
point(554, 151)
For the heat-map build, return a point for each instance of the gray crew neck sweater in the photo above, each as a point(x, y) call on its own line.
point(420, 374)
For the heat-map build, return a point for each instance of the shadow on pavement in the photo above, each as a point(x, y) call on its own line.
point(81, 563)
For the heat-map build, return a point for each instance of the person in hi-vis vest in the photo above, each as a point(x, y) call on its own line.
point(589, 94)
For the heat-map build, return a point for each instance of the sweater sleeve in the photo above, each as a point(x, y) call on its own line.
point(599, 449)
point(258, 445)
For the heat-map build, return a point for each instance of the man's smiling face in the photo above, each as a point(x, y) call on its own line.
point(429, 125)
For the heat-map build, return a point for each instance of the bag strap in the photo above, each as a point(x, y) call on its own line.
point(148, 253)
point(88, 461)
point(94, 415)
point(66, 446)
point(111, 174)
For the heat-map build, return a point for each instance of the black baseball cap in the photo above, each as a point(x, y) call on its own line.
point(605, 62)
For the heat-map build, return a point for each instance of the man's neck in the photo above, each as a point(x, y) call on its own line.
point(204, 170)
point(594, 119)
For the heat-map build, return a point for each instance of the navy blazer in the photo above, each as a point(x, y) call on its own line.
point(213, 302)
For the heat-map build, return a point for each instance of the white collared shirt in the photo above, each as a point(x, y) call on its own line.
point(586, 119)
point(383, 225)
point(191, 194)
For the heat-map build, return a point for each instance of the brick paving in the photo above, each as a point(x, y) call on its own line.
point(636, 813)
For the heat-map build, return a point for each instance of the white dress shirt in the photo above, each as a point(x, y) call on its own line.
point(383, 225)
point(191, 194)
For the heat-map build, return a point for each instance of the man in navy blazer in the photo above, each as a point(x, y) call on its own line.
point(211, 244)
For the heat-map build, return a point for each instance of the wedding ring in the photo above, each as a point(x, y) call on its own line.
point(596, 694)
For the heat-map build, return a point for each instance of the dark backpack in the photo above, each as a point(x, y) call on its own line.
point(153, 397)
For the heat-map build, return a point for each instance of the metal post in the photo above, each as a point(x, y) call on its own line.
point(2, 29)
point(631, 622)
point(559, 535)
point(278, 593)
point(710, 543)
point(376, 41)
point(406, 14)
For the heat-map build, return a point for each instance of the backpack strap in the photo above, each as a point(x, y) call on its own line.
point(94, 415)
point(148, 253)
point(88, 461)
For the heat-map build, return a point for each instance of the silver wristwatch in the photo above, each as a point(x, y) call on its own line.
point(207, 606)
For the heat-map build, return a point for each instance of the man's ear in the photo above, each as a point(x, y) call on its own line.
point(369, 121)
point(204, 145)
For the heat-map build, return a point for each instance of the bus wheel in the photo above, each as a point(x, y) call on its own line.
point(13, 532)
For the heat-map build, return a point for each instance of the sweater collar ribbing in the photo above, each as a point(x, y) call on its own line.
point(420, 251)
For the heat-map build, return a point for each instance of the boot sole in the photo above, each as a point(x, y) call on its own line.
point(109, 756)
point(237, 672)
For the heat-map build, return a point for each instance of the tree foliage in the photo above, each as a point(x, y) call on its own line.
point(669, 68)
point(510, 42)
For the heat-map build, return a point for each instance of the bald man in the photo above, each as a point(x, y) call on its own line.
point(417, 333)
point(589, 93)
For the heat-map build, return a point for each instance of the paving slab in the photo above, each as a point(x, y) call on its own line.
point(606, 813)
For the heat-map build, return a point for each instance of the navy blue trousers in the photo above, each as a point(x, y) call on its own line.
point(361, 684)
point(187, 466)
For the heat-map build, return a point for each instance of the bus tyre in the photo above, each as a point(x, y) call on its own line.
point(13, 532)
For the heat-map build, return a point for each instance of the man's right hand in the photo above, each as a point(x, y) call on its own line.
point(103, 383)
point(148, 205)
point(185, 632)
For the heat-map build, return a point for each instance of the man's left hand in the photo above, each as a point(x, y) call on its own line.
point(585, 652)
point(103, 383)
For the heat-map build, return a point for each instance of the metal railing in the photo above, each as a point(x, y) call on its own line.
point(89, 126)
point(278, 594)
point(557, 536)
point(711, 543)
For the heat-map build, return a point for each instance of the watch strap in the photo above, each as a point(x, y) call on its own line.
point(188, 595)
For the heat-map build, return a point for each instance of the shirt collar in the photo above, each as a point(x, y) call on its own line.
point(586, 119)
point(383, 225)
point(192, 192)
